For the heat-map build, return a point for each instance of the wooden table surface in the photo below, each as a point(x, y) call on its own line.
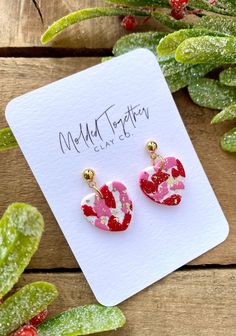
point(198, 299)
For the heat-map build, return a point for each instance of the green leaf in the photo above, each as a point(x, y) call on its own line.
point(83, 320)
point(207, 49)
point(151, 3)
point(229, 5)
point(21, 229)
point(85, 14)
point(169, 21)
point(170, 66)
point(181, 79)
point(204, 4)
point(228, 77)
point(218, 23)
point(211, 93)
point(229, 113)
point(228, 141)
point(24, 305)
point(170, 43)
point(130, 42)
point(7, 139)
point(108, 58)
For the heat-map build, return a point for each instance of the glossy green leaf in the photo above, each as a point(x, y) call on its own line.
point(151, 3)
point(228, 141)
point(170, 43)
point(21, 229)
point(228, 77)
point(229, 113)
point(204, 4)
point(24, 305)
point(130, 42)
point(169, 21)
point(7, 139)
point(212, 94)
point(207, 49)
point(83, 320)
point(85, 14)
point(218, 23)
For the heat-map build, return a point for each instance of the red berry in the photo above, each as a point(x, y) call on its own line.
point(129, 22)
point(1, 301)
point(178, 14)
point(178, 8)
point(27, 330)
point(38, 319)
point(178, 3)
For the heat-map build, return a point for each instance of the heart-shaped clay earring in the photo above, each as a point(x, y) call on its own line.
point(163, 182)
point(110, 207)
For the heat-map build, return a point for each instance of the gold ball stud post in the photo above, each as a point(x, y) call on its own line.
point(88, 175)
point(151, 146)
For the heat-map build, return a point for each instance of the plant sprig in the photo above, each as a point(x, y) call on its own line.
point(86, 14)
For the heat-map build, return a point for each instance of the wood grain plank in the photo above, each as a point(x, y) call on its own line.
point(18, 76)
point(186, 303)
point(21, 25)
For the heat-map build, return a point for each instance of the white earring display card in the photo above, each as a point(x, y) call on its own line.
point(101, 118)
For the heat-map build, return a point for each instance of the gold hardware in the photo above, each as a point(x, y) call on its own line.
point(89, 175)
point(151, 147)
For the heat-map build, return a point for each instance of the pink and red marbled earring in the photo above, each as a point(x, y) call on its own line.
point(163, 182)
point(110, 207)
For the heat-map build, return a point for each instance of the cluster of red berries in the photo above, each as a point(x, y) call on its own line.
point(178, 11)
point(179, 8)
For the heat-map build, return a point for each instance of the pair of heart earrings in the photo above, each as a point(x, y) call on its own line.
point(110, 207)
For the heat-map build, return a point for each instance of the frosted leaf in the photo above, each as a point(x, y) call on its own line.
point(178, 75)
point(218, 23)
point(170, 66)
point(228, 77)
point(229, 113)
point(86, 14)
point(24, 305)
point(83, 320)
point(221, 7)
point(137, 3)
point(130, 42)
point(169, 43)
point(21, 228)
point(170, 22)
point(212, 94)
point(228, 141)
point(7, 139)
point(207, 49)
point(105, 59)
point(181, 79)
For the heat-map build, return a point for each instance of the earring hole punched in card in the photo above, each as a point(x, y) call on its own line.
point(103, 117)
